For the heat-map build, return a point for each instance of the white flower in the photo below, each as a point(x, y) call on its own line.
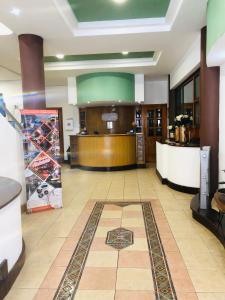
point(186, 116)
point(191, 118)
point(170, 127)
point(178, 118)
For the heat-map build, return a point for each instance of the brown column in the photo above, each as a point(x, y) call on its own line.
point(32, 69)
point(209, 115)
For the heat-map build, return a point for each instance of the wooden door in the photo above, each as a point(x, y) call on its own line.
point(155, 128)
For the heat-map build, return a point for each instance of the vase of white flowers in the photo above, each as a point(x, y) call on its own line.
point(181, 122)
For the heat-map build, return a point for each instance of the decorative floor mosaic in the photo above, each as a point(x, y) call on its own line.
point(119, 238)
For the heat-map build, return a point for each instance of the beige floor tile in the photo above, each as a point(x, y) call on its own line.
point(134, 279)
point(134, 207)
point(113, 214)
point(102, 231)
point(133, 222)
point(140, 244)
point(31, 276)
point(211, 281)
point(21, 294)
point(94, 295)
point(211, 296)
point(98, 279)
point(106, 259)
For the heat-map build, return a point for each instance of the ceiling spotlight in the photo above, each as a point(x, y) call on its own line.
point(120, 1)
point(125, 52)
point(60, 56)
point(15, 11)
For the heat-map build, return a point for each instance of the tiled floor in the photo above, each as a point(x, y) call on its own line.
point(52, 234)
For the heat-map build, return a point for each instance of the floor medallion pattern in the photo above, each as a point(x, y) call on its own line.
point(119, 238)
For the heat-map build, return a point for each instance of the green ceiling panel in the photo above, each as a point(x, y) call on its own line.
point(103, 56)
point(109, 10)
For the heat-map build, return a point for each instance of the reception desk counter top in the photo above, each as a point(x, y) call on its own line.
point(179, 166)
point(103, 152)
point(9, 190)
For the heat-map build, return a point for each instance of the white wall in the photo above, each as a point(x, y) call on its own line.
point(12, 93)
point(156, 91)
point(57, 96)
point(222, 125)
point(187, 65)
point(11, 154)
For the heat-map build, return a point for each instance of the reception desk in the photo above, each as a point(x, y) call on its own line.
point(12, 253)
point(179, 167)
point(103, 152)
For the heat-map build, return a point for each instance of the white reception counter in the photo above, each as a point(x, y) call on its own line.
point(12, 253)
point(179, 167)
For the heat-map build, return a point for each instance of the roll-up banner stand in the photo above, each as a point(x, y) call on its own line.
point(42, 156)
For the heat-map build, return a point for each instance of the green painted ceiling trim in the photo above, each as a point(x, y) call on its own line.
point(109, 10)
point(215, 22)
point(103, 56)
point(105, 86)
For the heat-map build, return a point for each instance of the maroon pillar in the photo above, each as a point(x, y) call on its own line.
point(32, 69)
point(209, 115)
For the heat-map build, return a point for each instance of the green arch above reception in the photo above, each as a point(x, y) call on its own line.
point(105, 87)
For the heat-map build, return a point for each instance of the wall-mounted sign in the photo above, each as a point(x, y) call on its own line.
point(110, 117)
point(69, 124)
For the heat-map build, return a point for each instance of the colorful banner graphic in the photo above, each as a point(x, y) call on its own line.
point(41, 155)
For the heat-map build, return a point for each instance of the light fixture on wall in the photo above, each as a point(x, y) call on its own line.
point(125, 52)
point(119, 1)
point(15, 11)
point(60, 56)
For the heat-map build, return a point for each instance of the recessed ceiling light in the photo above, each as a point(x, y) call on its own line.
point(15, 11)
point(4, 30)
point(120, 1)
point(60, 56)
point(125, 52)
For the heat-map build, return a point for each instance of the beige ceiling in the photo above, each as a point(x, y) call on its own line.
point(42, 18)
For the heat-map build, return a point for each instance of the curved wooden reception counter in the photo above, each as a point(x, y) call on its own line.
point(103, 152)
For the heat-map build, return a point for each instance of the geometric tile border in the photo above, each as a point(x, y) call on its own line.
point(73, 273)
point(164, 288)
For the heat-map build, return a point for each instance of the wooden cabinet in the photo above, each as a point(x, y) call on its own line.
point(155, 128)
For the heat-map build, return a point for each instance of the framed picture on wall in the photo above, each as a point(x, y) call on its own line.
point(69, 124)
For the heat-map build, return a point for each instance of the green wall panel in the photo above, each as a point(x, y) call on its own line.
point(105, 87)
point(102, 56)
point(215, 21)
point(108, 10)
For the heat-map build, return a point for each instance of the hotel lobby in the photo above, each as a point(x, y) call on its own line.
point(112, 177)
